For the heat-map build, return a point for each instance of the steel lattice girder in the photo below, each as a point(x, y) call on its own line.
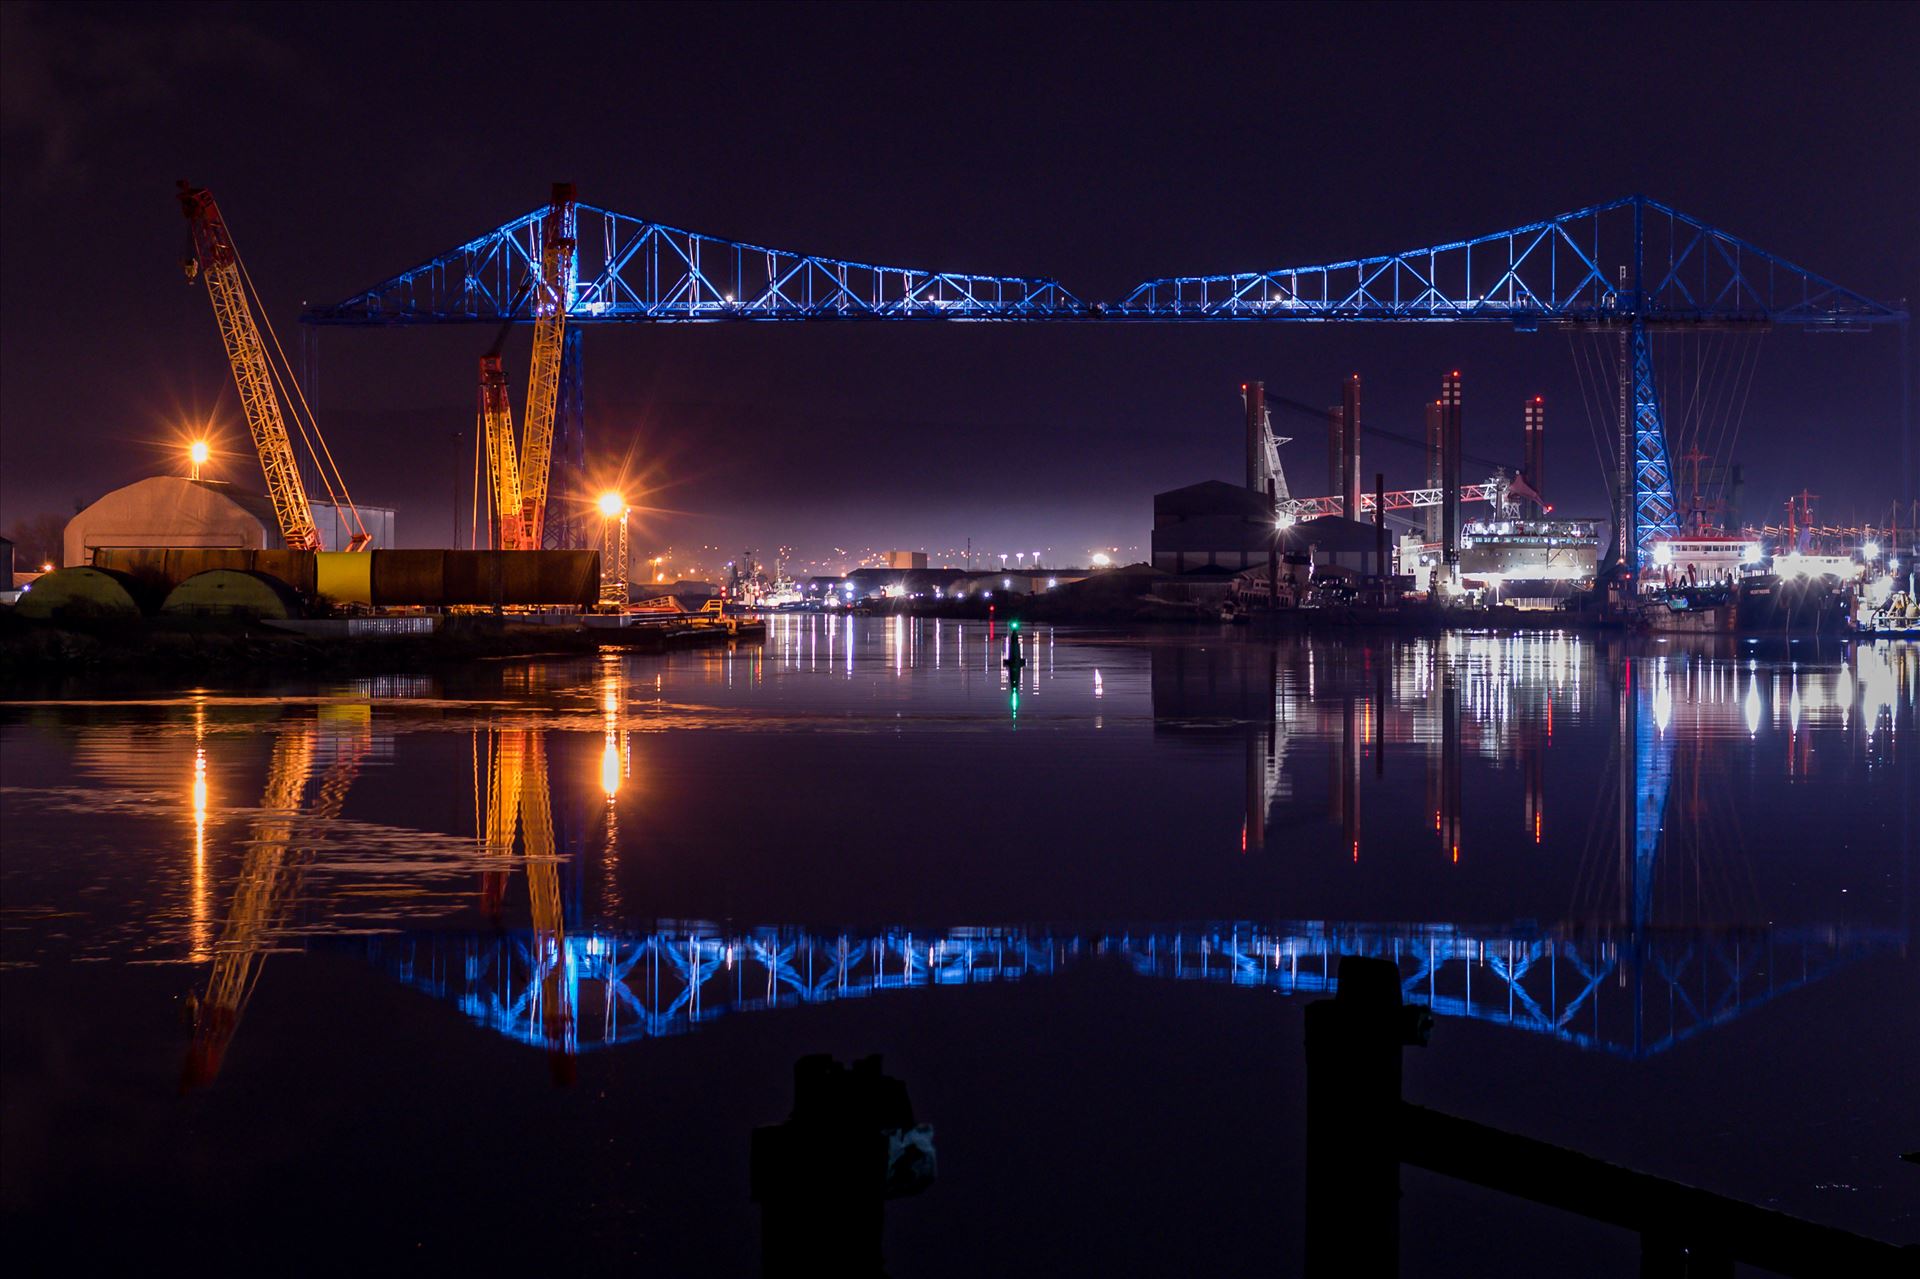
point(1674, 272)
point(625, 987)
point(632, 270)
point(1308, 508)
point(1655, 513)
point(1556, 272)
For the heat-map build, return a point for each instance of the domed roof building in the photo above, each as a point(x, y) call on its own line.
point(174, 511)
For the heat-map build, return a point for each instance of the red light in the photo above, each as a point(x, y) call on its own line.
point(1536, 399)
point(1456, 373)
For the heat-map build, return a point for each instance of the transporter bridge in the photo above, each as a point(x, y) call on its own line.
point(1627, 269)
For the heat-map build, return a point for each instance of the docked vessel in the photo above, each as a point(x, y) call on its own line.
point(1530, 563)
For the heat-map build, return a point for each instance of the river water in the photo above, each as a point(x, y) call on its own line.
point(505, 964)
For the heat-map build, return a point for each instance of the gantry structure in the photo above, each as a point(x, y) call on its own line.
point(1626, 993)
point(1631, 267)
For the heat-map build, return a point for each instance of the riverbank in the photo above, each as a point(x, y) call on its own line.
point(31, 652)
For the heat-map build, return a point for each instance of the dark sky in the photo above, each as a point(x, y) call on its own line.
point(1097, 145)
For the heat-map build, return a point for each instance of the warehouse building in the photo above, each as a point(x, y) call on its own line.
point(173, 511)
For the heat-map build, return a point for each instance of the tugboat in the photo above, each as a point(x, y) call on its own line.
point(1897, 618)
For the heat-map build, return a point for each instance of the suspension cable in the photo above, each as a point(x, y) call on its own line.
point(300, 397)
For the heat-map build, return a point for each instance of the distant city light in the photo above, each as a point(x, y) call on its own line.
point(1101, 559)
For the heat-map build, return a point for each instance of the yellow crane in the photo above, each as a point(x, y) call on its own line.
point(518, 484)
point(265, 891)
point(216, 261)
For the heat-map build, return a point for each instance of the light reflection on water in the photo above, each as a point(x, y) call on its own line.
point(1643, 885)
point(1641, 772)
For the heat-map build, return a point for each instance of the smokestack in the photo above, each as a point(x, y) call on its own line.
point(1255, 394)
point(1450, 473)
point(1350, 447)
point(1433, 466)
point(1536, 451)
point(1336, 434)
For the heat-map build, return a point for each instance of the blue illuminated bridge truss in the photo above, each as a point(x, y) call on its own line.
point(1633, 266)
point(1626, 992)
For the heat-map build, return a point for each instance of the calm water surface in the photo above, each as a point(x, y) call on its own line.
point(505, 964)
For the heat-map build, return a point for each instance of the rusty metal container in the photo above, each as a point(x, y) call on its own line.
point(407, 577)
point(484, 578)
point(400, 578)
point(159, 569)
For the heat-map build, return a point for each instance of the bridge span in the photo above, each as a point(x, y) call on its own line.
point(1627, 992)
point(1632, 267)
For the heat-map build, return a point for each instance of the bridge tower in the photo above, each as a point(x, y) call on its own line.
point(568, 520)
point(1647, 509)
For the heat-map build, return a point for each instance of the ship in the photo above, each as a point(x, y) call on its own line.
point(1530, 563)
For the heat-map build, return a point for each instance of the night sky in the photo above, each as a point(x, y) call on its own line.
point(1097, 145)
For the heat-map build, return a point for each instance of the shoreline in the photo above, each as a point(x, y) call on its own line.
point(34, 653)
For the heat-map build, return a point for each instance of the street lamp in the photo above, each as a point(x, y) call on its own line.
point(613, 550)
point(198, 453)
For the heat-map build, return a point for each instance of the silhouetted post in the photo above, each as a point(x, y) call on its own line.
point(1380, 533)
point(822, 1177)
point(1353, 1109)
point(1273, 547)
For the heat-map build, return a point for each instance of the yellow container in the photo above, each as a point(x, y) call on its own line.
point(345, 577)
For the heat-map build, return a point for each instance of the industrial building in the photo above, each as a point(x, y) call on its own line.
point(172, 511)
point(1212, 524)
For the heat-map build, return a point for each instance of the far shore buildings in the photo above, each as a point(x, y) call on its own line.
point(1214, 528)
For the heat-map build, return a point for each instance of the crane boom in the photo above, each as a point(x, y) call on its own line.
point(552, 293)
point(496, 416)
point(215, 261)
point(267, 887)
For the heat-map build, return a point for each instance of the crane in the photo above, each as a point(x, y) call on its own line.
point(549, 331)
point(519, 480)
point(496, 424)
point(268, 884)
point(217, 261)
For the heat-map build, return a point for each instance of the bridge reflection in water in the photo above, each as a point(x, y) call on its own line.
point(1630, 974)
point(1631, 994)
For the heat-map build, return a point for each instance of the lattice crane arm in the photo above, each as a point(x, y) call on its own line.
point(503, 467)
point(553, 292)
point(266, 889)
point(215, 262)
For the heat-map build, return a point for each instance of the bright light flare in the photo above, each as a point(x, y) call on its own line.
point(611, 504)
point(610, 768)
point(198, 452)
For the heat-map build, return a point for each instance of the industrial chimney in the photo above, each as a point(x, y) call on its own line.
point(1536, 452)
point(1350, 447)
point(1450, 473)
